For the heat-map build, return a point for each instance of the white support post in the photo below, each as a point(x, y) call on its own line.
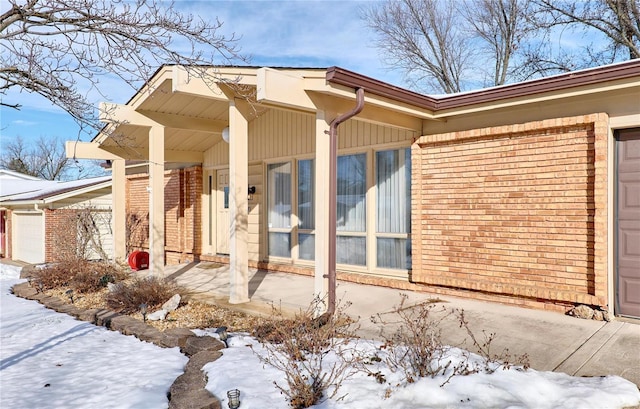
point(238, 204)
point(156, 199)
point(322, 211)
point(118, 211)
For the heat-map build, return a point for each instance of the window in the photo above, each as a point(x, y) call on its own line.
point(279, 209)
point(378, 239)
point(393, 213)
point(351, 209)
point(306, 209)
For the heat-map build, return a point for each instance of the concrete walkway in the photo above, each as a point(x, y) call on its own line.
point(553, 342)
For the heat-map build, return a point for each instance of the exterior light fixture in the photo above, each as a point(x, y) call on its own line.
point(251, 192)
point(234, 398)
point(143, 311)
point(222, 334)
point(69, 293)
point(225, 134)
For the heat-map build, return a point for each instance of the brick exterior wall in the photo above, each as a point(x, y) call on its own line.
point(59, 240)
point(183, 212)
point(516, 211)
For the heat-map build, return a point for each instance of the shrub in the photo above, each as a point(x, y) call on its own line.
point(482, 347)
point(96, 275)
point(126, 297)
point(314, 354)
point(81, 275)
point(416, 348)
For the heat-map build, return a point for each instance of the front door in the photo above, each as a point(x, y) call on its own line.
point(628, 222)
point(222, 204)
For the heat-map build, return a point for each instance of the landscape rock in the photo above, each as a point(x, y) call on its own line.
point(176, 337)
point(172, 304)
point(188, 390)
point(598, 315)
point(194, 345)
point(89, 315)
point(582, 311)
point(111, 287)
point(157, 315)
point(197, 361)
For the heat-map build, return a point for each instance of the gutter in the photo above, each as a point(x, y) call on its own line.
point(589, 76)
point(333, 190)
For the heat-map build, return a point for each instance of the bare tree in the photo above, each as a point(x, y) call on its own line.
point(617, 20)
point(500, 26)
point(57, 48)
point(45, 159)
point(425, 40)
point(445, 44)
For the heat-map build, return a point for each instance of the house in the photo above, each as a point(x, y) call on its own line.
point(525, 193)
point(37, 217)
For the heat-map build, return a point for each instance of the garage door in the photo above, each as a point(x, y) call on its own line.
point(628, 222)
point(28, 237)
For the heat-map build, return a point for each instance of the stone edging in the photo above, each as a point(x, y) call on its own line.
point(188, 390)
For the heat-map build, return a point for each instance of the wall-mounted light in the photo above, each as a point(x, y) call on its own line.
point(225, 134)
point(252, 191)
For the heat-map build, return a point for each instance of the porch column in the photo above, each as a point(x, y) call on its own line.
point(238, 203)
point(118, 211)
point(322, 211)
point(156, 199)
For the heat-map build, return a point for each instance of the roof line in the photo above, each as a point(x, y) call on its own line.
point(627, 69)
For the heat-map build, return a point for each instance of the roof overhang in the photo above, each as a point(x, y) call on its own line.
point(192, 104)
point(56, 196)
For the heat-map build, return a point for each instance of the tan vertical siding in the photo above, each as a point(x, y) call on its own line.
point(278, 133)
point(357, 134)
point(217, 155)
point(255, 226)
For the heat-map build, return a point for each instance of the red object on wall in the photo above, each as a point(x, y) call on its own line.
point(139, 260)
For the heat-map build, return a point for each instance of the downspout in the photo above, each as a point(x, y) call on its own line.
point(333, 191)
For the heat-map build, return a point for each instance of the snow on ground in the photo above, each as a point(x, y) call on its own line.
point(51, 360)
point(514, 388)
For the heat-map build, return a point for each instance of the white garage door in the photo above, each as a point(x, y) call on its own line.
point(28, 237)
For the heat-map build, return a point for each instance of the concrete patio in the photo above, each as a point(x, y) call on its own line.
point(553, 342)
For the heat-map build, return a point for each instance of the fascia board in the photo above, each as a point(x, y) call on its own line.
point(76, 192)
point(282, 89)
point(543, 97)
point(370, 98)
point(88, 150)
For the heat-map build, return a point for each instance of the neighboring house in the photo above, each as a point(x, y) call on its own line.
point(525, 194)
point(41, 219)
point(10, 182)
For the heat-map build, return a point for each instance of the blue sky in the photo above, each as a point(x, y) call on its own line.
point(274, 33)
